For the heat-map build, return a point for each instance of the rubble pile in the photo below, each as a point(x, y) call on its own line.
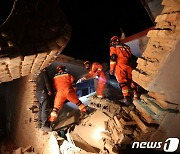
point(128, 123)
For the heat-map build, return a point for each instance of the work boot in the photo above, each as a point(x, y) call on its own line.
point(135, 97)
point(100, 96)
point(81, 106)
point(127, 100)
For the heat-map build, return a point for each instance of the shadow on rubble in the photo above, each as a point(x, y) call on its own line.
point(69, 116)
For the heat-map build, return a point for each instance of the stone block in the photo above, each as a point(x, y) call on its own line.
point(170, 9)
point(152, 33)
point(153, 106)
point(145, 78)
point(171, 2)
point(118, 123)
point(161, 18)
point(129, 123)
point(164, 104)
point(106, 135)
point(139, 122)
point(165, 24)
point(145, 111)
point(135, 76)
point(172, 17)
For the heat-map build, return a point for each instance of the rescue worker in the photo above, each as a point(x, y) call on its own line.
point(43, 91)
point(63, 84)
point(95, 70)
point(120, 55)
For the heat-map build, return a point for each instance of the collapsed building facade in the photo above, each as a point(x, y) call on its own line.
point(154, 118)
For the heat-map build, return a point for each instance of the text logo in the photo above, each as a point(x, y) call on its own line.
point(170, 145)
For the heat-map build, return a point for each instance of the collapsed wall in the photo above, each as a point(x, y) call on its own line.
point(20, 114)
point(157, 69)
point(31, 38)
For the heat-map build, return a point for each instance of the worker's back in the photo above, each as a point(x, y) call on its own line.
point(63, 80)
point(123, 53)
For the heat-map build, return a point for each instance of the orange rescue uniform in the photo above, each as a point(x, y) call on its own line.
point(96, 70)
point(65, 91)
point(121, 67)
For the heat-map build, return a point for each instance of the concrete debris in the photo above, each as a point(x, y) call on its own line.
point(109, 107)
point(82, 144)
point(69, 148)
point(161, 101)
point(151, 106)
point(106, 135)
point(126, 124)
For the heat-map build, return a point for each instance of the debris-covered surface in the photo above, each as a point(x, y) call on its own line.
point(127, 124)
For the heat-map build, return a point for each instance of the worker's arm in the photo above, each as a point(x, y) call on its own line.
point(73, 83)
point(127, 50)
point(96, 69)
point(89, 75)
point(71, 78)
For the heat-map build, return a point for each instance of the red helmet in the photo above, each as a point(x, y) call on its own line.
point(115, 39)
point(60, 68)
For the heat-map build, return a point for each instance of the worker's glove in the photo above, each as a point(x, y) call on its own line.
point(80, 80)
point(111, 72)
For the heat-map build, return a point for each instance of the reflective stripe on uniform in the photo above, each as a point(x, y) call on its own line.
point(135, 95)
point(121, 47)
point(81, 106)
point(92, 67)
point(99, 96)
point(112, 62)
point(61, 75)
point(125, 91)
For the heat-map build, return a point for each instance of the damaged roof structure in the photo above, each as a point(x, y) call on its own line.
point(40, 34)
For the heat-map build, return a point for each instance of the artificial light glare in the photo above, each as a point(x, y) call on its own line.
point(97, 133)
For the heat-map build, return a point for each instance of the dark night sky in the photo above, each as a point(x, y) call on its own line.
point(94, 22)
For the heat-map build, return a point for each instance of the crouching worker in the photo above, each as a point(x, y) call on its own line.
point(63, 84)
point(96, 71)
